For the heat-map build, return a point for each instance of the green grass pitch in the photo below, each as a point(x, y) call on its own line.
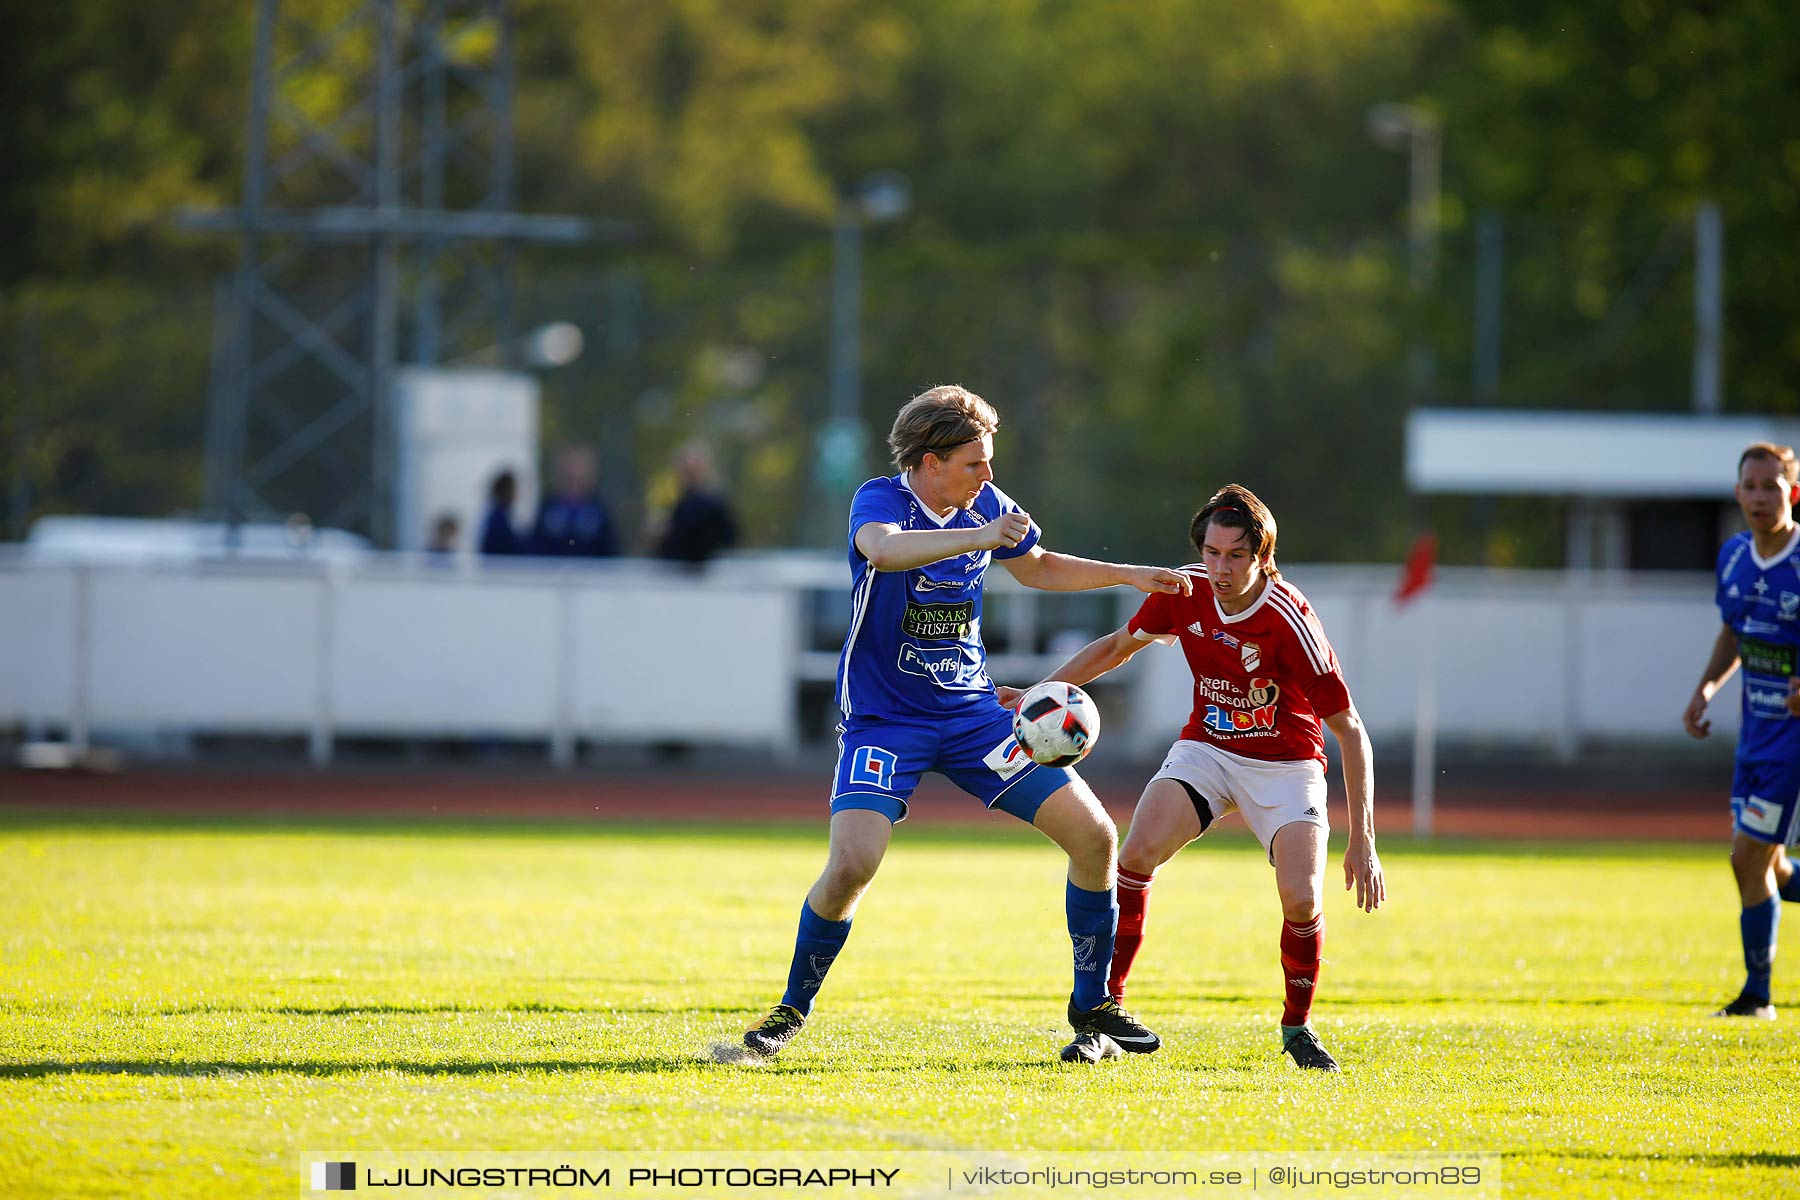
point(185, 1006)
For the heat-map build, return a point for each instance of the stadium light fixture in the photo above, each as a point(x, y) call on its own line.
point(882, 196)
point(556, 344)
point(1417, 132)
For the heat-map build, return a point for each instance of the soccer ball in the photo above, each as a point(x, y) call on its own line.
point(1056, 724)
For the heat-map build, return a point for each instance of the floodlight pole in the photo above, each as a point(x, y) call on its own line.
point(426, 330)
point(838, 456)
point(846, 314)
point(1490, 254)
point(1424, 186)
point(1418, 132)
point(383, 347)
point(24, 404)
point(1709, 293)
point(1424, 755)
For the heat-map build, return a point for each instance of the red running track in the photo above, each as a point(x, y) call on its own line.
point(1472, 809)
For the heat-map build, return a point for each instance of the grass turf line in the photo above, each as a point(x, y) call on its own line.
point(185, 1005)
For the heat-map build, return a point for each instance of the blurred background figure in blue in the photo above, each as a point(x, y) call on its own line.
point(445, 539)
point(497, 533)
point(701, 525)
point(573, 521)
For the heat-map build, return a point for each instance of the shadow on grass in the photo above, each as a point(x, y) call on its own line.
point(1769, 1159)
point(1475, 1001)
point(387, 1010)
point(1784, 1161)
point(653, 1065)
point(226, 1069)
point(736, 1011)
point(1467, 1000)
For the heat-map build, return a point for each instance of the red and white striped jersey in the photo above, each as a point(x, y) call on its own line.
point(1263, 679)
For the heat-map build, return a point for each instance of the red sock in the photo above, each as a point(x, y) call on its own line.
point(1300, 947)
point(1134, 898)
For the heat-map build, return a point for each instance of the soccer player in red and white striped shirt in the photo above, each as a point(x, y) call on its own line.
point(1265, 680)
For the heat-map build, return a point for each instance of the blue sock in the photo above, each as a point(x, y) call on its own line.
point(1093, 920)
point(1791, 889)
point(1758, 924)
point(815, 945)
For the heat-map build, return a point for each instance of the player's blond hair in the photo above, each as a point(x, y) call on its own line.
point(1783, 455)
point(1236, 507)
point(937, 421)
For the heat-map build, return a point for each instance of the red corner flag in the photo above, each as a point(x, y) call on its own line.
point(1415, 574)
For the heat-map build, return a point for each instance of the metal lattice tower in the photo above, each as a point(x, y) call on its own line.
point(377, 228)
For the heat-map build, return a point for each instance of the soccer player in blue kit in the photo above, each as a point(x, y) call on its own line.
point(1758, 595)
point(916, 697)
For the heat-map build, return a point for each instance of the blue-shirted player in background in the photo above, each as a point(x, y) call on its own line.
point(1759, 599)
point(914, 688)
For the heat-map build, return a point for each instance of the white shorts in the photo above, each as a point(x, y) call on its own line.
point(1268, 794)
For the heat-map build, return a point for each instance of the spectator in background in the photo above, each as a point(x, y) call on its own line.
point(446, 532)
point(573, 521)
point(497, 533)
point(701, 524)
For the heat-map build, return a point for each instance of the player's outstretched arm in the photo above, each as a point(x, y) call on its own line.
point(891, 548)
point(1719, 666)
point(1088, 663)
point(1362, 866)
point(1051, 572)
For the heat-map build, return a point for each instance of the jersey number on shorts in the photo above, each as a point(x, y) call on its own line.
point(873, 767)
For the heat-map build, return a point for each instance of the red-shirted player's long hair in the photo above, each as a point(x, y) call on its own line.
point(1236, 507)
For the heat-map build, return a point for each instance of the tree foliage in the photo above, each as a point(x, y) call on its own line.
point(1156, 234)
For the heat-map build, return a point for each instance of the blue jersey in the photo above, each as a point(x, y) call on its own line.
point(914, 648)
point(1760, 600)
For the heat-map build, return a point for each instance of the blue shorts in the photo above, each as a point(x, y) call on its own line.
point(1765, 801)
point(880, 762)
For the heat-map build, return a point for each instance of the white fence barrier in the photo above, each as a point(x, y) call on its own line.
point(400, 649)
point(635, 652)
point(1539, 657)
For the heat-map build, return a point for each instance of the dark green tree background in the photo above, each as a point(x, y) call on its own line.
point(1157, 235)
